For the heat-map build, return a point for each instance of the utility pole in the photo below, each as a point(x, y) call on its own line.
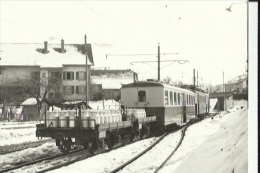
point(158, 61)
point(224, 92)
point(86, 72)
point(223, 83)
point(197, 78)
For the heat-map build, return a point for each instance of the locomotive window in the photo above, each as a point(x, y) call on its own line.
point(171, 99)
point(141, 96)
point(166, 98)
point(175, 99)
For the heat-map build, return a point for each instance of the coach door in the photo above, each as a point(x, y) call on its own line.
point(183, 101)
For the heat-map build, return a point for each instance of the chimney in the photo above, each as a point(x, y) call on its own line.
point(45, 47)
point(62, 46)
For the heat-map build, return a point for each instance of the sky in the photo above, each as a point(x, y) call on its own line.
point(211, 38)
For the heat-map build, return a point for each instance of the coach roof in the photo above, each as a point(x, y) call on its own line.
point(155, 84)
point(143, 84)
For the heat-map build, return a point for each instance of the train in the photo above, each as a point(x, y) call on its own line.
point(147, 107)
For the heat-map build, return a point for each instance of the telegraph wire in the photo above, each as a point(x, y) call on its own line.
point(111, 22)
point(23, 27)
point(50, 21)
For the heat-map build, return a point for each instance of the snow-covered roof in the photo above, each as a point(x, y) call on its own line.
point(30, 54)
point(29, 101)
point(111, 83)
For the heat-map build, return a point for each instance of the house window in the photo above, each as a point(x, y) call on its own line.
point(43, 74)
point(166, 102)
point(141, 96)
point(80, 75)
point(51, 95)
point(68, 90)
point(68, 75)
point(56, 75)
point(80, 89)
point(35, 75)
point(171, 98)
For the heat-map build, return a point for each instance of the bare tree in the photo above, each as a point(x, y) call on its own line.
point(168, 80)
point(33, 83)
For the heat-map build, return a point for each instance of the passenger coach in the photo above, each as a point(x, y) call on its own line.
point(171, 105)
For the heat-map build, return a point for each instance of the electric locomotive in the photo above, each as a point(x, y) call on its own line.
point(171, 105)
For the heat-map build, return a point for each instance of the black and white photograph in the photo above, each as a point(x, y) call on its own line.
point(128, 86)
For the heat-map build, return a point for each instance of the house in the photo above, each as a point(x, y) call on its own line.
point(52, 67)
point(29, 109)
point(107, 83)
point(238, 84)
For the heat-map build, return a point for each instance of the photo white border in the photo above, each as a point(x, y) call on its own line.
point(252, 87)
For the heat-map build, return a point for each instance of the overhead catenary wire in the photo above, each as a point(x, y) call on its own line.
point(139, 54)
point(137, 39)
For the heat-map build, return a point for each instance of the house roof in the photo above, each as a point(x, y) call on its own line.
point(29, 102)
point(31, 54)
point(111, 83)
point(112, 72)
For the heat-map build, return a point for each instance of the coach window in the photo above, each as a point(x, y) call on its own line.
point(179, 99)
point(141, 96)
point(171, 99)
point(166, 98)
point(175, 98)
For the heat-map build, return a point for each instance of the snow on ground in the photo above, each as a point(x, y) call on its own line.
point(29, 154)
point(212, 103)
point(212, 145)
point(152, 159)
point(16, 136)
point(16, 125)
point(218, 145)
point(108, 161)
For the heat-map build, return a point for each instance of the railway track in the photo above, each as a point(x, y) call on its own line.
point(139, 155)
point(152, 146)
point(124, 143)
point(86, 155)
point(183, 130)
point(175, 149)
point(52, 162)
point(38, 161)
point(18, 147)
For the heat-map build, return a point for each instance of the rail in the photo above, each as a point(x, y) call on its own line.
point(18, 147)
point(139, 155)
point(37, 161)
point(175, 149)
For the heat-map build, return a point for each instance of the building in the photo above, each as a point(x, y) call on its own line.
point(74, 82)
point(51, 67)
point(106, 83)
point(238, 84)
point(10, 77)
